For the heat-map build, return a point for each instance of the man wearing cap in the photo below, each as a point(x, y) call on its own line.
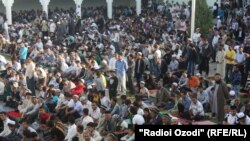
point(77, 110)
point(85, 102)
point(143, 92)
point(243, 119)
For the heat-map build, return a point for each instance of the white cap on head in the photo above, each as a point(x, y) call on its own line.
point(198, 74)
point(139, 53)
point(175, 84)
point(83, 98)
point(174, 56)
point(232, 93)
point(82, 80)
point(240, 115)
point(142, 82)
point(15, 84)
point(89, 87)
point(19, 41)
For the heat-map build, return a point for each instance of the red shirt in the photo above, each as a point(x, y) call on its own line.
point(44, 117)
point(78, 90)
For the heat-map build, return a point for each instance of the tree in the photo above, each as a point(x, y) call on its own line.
point(203, 16)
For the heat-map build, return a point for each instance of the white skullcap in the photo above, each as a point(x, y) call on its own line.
point(82, 80)
point(198, 74)
point(240, 115)
point(15, 84)
point(89, 87)
point(175, 84)
point(174, 56)
point(232, 93)
point(83, 98)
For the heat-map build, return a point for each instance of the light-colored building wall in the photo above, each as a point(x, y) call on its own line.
point(66, 4)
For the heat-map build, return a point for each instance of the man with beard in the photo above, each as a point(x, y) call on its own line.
point(219, 98)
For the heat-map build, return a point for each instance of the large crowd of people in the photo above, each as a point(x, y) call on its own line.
point(94, 78)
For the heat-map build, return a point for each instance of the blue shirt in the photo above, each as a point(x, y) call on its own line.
point(23, 53)
point(121, 67)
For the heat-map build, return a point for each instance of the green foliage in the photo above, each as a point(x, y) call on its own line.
point(203, 16)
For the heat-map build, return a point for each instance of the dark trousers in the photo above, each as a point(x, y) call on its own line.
point(112, 93)
point(204, 65)
point(131, 84)
point(31, 84)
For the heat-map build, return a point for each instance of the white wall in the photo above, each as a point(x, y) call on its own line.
point(65, 4)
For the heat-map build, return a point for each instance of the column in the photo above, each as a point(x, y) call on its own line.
point(110, 8)
point(8, 5)
point(45, 4)
point(193, 17)
point(219, 3)
point(138, 7)
point(78, 7)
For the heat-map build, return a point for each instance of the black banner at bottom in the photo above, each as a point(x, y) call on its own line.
point(214, 132)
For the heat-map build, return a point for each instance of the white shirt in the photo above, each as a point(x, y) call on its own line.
point(16, 66)
point(157, 54)
point(112, 62)
point(61, 99)
point(105, 101)
point(215, 40)
point(39, 46)
point(140, 111)
point(88, 105)
point(52, 27)
point(197, 108)
point(78, 107)
point(64, 66)
point(196, 37)
point(72, 131)
point(247, 120)
point(95, 113)
point(6, 131)
point(86, 120)
point(138, 120)
point(232, 120)
point(30, 70)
